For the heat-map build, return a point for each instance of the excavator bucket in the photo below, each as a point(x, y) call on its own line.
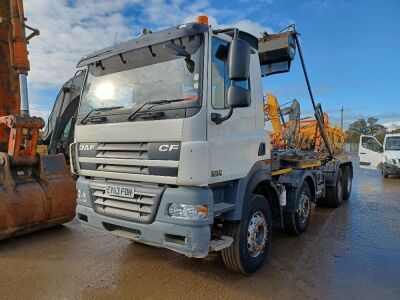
point(35, 197)
point(36, 191)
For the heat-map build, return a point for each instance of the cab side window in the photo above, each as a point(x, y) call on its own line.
point(219, 74)
point(370, 143)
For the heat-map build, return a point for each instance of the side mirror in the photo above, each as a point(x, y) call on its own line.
point(239, 60)
point(238, 97)
point(239, 70)
point(380, 149)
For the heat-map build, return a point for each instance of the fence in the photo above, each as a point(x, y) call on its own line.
point(351, 147)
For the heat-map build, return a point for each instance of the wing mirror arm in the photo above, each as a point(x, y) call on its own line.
point(218, 118)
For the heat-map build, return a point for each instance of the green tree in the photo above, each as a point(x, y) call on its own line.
point(374, 128)
point(366, 127)
point(359, 127)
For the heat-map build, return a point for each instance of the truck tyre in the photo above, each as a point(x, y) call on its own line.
point(334, 195)
point(297, 222)
point(251, 237)
point(347, 182)
point(384, 173)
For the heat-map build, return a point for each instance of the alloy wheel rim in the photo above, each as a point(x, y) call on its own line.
point(304, 207)
point(257, 232)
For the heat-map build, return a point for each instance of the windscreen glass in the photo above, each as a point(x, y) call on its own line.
point(167, 71)
point(393, 143)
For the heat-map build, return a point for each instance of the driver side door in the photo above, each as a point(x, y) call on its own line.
point(370, 152)
point(234, 143)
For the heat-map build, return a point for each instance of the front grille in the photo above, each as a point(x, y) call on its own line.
point(142, 208)
point(134, 161)
point(123, 169)
point(129, 162)
point(124, 151)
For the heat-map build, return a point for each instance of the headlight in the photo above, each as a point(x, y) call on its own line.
point(386, 158)
point(82, 197)
point(189, 212)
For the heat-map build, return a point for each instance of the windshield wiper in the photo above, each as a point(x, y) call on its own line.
point(86, 117)
point(154, 103)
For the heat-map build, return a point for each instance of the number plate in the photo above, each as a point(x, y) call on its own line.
point(120, 191)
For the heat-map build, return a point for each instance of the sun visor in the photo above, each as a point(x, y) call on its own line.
point(276, 52)
point(144, 40)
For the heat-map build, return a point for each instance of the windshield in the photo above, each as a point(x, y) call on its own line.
point(392, 143)
point(166, 71)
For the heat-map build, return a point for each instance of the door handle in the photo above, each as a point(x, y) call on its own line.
point(363, 153)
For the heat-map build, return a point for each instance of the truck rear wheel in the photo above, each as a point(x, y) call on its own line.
point(347, 182)
point(251, 237)
point(384, 173)
point(334, 195)
point(297, 222)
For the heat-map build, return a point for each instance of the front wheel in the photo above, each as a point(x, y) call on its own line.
point(251, 237)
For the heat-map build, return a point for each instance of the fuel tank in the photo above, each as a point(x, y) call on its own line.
point(35, 197)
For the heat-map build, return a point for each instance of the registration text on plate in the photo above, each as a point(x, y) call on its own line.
point(120, 191)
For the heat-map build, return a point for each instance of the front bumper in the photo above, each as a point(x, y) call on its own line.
point(391, 168)
point(191, 238)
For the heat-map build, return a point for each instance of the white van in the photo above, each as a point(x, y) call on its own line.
point(374, 155)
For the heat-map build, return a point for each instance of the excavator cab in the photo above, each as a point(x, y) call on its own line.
point(59, 131)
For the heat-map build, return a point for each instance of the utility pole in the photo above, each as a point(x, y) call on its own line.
point(341, 119)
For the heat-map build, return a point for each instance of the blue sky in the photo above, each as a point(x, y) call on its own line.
point(351, 47)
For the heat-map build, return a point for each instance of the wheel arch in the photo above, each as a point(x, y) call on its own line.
point(347, 164)
point(269, 190)
point(258, 181)
point(293, 182)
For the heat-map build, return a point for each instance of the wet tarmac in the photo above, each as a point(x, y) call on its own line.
point(352, 252)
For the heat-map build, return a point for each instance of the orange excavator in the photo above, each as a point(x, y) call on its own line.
point(297, 133)
point(36, 191)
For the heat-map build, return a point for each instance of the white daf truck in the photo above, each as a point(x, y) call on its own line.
point(170, 148)
point(383, 157)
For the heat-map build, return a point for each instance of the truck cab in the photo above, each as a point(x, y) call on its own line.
point(170, 147)
point(159, 151)
point(384, 157)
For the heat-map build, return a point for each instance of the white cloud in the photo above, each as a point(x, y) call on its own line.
point(392, 125)
point(252, 27)
point(68, 33)
point(72, 29)
point(37, 111)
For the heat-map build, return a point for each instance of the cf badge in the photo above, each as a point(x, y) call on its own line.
point(168, 148)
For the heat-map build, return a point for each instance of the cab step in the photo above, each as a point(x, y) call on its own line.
point(222, 243)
